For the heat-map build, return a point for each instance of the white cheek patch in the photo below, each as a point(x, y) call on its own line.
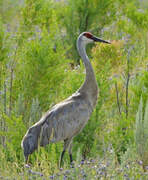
point(87, 40)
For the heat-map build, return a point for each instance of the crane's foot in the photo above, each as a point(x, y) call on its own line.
point(27, 165)
point(72, 165)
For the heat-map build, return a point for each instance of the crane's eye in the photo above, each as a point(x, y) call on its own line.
point(88, 35)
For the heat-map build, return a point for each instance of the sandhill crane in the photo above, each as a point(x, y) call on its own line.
point(67, 118)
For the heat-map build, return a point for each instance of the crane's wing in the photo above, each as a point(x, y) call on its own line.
point(65, 119)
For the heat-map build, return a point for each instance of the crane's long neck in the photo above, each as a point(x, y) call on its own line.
point(89, 86)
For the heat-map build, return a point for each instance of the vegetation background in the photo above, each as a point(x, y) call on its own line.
point(39, 66)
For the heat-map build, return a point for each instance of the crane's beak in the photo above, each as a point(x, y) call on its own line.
point(96, 39)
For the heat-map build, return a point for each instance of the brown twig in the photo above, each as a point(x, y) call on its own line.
point(127, 82)
point(117, 95)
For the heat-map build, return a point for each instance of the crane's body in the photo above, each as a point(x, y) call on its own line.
point(66, 119)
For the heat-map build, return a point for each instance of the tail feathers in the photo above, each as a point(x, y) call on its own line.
point(36, 135)
point(30, 140)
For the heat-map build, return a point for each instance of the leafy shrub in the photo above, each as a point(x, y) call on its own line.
point(141, 132)
point(13, 133)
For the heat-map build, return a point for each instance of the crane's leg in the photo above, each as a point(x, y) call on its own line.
point(70, 154)
point(26, 156)
point(27, 165)
point(61, 158)
point(26, 159)
point(66, 145)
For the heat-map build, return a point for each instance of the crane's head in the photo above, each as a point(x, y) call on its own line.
point(87, 38)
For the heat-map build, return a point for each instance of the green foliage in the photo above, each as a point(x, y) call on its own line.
point(140, 17)
point(1, 41)
point(9, 9)
point(141, 133)
point(13, 132)
point(35, 112)
point(38, 13)
point(37, 66)
point(140, 87)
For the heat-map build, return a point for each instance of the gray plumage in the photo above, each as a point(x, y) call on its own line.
point(66, 119)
